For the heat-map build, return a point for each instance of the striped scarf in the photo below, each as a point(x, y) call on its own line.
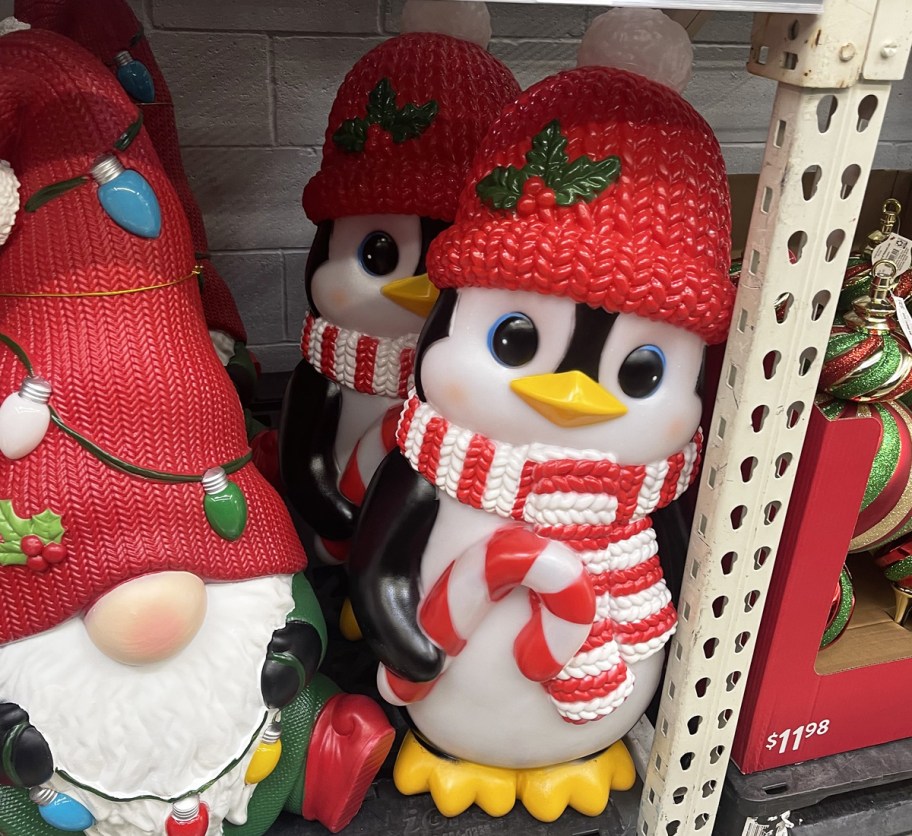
point(584, 508)
point(373, 365)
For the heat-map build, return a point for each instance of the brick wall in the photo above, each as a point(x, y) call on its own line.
point(253, 81)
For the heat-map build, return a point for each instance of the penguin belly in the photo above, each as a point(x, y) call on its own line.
point(483, 709)
point(359, 412)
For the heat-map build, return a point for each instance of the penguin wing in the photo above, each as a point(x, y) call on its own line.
point(385, 565)
point(307, 434)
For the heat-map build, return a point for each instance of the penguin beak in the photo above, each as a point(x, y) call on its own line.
point(568, 399)
point(415, 294)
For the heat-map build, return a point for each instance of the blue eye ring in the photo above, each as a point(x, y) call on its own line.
point(376, 261)
point(513, 339)
point(642, 370)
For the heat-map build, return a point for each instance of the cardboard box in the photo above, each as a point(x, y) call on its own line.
point(802, 703)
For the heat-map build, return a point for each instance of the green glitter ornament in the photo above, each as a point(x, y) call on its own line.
point(840, 610)
point(886, 508)
point(224, 504)
point(868, 358)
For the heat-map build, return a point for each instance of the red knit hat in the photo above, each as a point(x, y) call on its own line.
point(114, 322)
point(107, 28)
point(641, 226)
point(405, 124)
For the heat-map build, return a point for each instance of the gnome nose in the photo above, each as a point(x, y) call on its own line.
point(568, 399)
point(415, 294)
point(148, 619)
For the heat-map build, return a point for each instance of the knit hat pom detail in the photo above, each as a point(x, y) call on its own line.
point(10, 24)
point(468, 20)
point(9, 200)
point(643, 41)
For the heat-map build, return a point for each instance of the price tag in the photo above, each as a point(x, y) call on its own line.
point(903, 316)
point(895, 249)
point(778, 825)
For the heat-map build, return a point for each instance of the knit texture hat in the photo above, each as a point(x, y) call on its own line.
point(114, 322)
point(106, 28)
point(604, 186)
point(404, 126)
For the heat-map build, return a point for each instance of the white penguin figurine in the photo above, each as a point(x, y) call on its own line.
point(505, 569)
point(402, 131)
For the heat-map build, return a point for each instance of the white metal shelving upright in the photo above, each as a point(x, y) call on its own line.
point(833, 72)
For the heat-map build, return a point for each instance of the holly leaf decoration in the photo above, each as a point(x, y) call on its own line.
point(407, 122)
point(412, 121)
point(583, 179)
point(12, 526)
point(47, 525)
point(548, 155)
point(351, 135)
point(381, 104)
point(503, 187)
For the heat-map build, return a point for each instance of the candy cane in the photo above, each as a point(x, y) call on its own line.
point(561, 595)
point(369, 452)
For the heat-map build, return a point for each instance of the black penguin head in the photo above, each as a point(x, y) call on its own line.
point(379, 250)
point(436, 327)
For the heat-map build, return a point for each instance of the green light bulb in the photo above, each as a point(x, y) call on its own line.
point(224, 504)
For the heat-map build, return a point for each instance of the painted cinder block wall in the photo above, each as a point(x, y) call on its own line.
point(253, 82)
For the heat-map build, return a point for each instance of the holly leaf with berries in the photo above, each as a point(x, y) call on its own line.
point(30, 540)
point(407, 122)
point(584, 179)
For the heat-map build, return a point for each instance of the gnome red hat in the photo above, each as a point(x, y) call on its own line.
point(111, 318)
point(409, 116)
point(110, 31)
point(602, 185)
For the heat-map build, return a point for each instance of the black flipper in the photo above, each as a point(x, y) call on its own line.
point(25, 757)
point(307, 435)
point(385, 565)
point(292, 659)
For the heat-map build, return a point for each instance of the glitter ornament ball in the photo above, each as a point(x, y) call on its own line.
point(886, 509)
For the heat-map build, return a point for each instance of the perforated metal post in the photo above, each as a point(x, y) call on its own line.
point(834, 81)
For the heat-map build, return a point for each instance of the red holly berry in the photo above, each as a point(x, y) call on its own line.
point(31, 545)
point(536, 194)
point(534, 186)
point(37, 563)
point(54, 552)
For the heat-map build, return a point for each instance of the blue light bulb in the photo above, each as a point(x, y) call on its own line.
point(61, 811)
point(135, 77)
point(127, 197)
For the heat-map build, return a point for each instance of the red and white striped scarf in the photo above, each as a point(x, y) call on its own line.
point(595, 508)
point(373, 365)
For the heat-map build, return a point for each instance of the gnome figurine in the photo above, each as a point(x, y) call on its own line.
point(158, 643)
point(402, 131)
point(505, 568)
point(110, 31)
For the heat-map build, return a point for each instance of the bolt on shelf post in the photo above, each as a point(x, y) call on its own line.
point(833, 77)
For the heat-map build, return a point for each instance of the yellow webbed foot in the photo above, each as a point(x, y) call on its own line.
point(348, 624)
point(584, 785)
point(453, 784)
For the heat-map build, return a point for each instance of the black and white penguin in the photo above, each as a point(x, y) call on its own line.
point(402, 131)
point(505, 568)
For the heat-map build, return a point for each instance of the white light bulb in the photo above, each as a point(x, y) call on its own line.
point(24, 418)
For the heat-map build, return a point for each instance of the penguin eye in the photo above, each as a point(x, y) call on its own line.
point(642, 370)
point(378, 253)
point(513, 339)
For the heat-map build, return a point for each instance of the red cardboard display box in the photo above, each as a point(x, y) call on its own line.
point(800, 702)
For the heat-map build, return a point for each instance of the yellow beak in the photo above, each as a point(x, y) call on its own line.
point(569, 399)
point(415, 294)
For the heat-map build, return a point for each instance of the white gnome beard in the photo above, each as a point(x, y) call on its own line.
point(163, 729)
